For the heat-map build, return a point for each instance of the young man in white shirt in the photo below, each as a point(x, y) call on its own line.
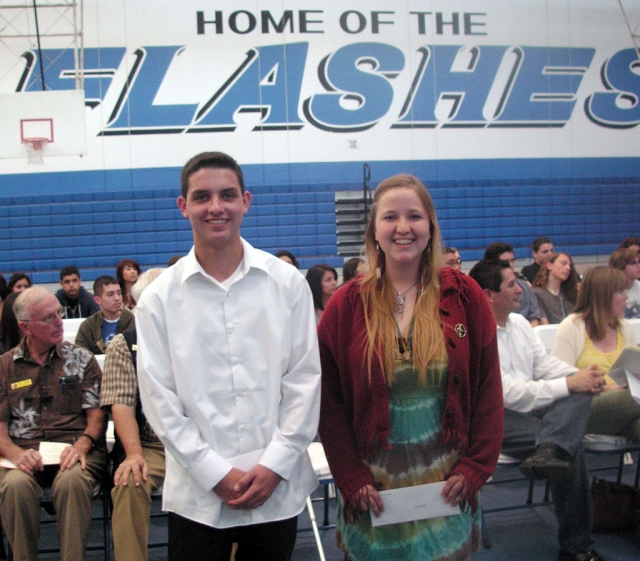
point(547, 406)
point(229, 377)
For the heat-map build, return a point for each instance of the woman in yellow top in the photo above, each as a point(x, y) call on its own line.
point(596, 333)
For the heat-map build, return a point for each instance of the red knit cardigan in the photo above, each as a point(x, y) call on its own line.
point(354, 415)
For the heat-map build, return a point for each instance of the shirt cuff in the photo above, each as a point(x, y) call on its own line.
point(281, 459)
point(559, 387)
point(209, 471)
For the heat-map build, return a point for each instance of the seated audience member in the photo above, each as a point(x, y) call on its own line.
point(139, 454)
point(627, 261)
point(352, 268)
point(73, 297)
point(547, 404)
point(632, 242)
point(323, 281)
point(19, 282)
point(288, 257)
point(4, 288)
point(596, 333)
point(97, 331)
point(528, 301)
point(556, 287)
point(49, 390)
point(4, 291)
point(452, 258)
point(10, 333)
point(541, 248)
point(127, 272)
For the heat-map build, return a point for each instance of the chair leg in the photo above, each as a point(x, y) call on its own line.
point(106, 512)
point(530, 494)
point(546, 491)
point(486, 541)
point(3, 551)
point(325, 522)
point(314, 526)
point(620, 468)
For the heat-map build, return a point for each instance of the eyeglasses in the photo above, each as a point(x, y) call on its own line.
point(51, 318)
point(453, 262)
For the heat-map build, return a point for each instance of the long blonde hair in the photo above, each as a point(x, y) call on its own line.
point(379, 297)
point(595, 300)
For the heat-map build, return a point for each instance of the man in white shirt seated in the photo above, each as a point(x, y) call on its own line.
point(229, 375)
point(547, 406)
point(628, 261)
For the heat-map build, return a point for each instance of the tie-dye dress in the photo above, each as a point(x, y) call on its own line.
point(417, 456)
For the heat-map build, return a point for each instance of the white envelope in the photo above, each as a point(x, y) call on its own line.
point(413, 503)
point(50, 452)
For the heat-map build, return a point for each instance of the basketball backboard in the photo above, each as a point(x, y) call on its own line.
point(55, 117)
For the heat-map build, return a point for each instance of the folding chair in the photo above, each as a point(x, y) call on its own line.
point(606, 445)
point(505, 461)
point(321, 467)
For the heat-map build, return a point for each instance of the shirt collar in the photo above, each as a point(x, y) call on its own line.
point(22, 350)
point(507, 325)
point(252, 259)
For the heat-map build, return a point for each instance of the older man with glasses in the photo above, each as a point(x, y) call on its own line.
point(49, 392)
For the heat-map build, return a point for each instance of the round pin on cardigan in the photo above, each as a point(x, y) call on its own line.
point(461, 330)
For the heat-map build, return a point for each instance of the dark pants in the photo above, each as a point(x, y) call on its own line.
point(564, 423)
point(272, 541)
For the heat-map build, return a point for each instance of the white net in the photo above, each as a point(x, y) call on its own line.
point(35, 150)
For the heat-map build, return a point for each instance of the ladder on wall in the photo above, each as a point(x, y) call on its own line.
point(633, 31)
point(28, 26)
point(352, 215)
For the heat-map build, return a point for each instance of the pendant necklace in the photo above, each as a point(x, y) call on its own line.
point(400, 298)
point(405, 344)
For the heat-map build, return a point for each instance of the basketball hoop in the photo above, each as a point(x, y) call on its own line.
point(35, 149)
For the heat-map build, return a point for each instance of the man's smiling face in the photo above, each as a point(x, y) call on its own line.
point(215, 206)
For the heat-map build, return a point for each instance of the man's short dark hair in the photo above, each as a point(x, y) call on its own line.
point(540, 240)
point(628, 242)
point(488, 273)
point(69, 270)
point(496, 249)
point(215, 160)
point(101, 282)
point(350, 268)
point(291, 256)
point(447, 249)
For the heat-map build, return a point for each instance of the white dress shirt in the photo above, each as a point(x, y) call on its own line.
point(531, 378)
point(228, 369)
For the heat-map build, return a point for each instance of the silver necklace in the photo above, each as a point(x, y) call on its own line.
point(400, 298)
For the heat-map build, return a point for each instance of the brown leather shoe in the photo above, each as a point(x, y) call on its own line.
point(548, 462)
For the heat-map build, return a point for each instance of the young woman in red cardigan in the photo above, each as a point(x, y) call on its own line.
point(411, 390)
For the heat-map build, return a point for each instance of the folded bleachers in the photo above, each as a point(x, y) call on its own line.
point(95, 229)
